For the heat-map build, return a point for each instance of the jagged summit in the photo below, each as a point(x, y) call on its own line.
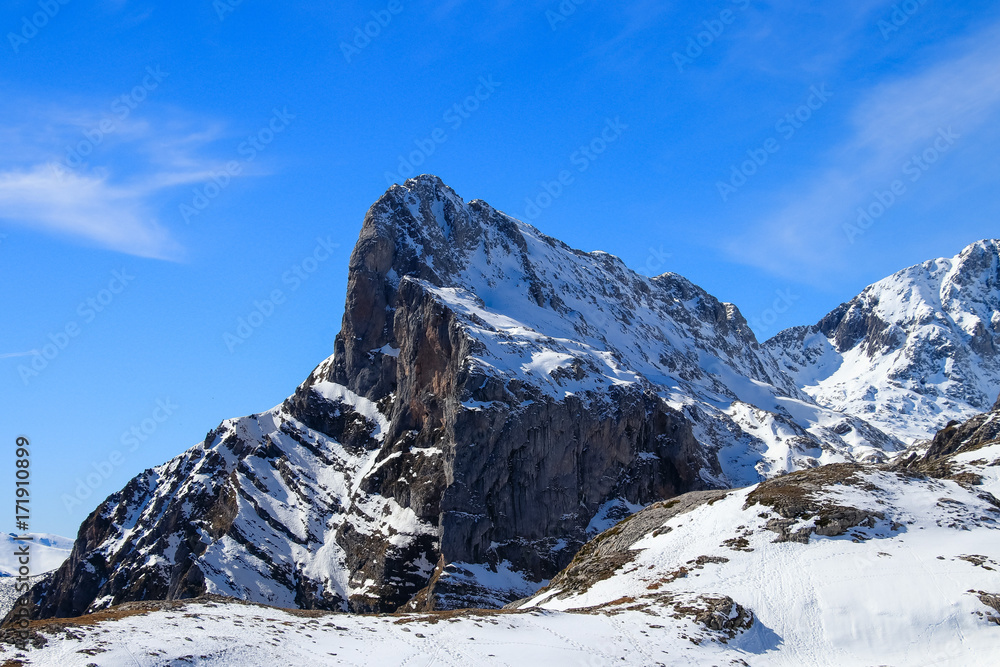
point(912, 351)
point(494, 399)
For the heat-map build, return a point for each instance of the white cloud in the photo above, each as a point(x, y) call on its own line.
point(805, 238)
point(12, 355)
point(45, 185)
point(49, 198)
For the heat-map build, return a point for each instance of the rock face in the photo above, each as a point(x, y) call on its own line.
point(494, 399)
point(911, 352)
point(973, 434)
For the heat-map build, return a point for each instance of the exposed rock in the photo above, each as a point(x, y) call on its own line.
point(799, 497)
point(612, 549)
point(955, 438)
point(719, 613)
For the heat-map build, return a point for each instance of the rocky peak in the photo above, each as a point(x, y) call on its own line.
point(912, 351)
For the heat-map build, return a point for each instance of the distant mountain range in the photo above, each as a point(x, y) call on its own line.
point(496, 399)
point(911, 352)
point(47, 552)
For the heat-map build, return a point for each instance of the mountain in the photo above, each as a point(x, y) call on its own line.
point(47, 553)
point(840, 565)
point(911, 352)
point(843, 564)
point(495, 398)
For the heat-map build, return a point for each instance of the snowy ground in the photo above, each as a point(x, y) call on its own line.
point(244, 635)
point(905, 591)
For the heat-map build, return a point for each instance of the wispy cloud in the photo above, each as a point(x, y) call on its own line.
point(11, 355)
point(63, 176)
point(116, 216)
point(806, 238)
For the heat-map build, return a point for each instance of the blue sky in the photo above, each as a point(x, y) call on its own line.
point(166, 167)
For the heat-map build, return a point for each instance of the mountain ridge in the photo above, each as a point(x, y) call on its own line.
point(845, 564)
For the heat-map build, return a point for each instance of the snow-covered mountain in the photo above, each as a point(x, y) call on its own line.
point(845, 565)
point(911, 352)
point(494, 399)
point(47, 552)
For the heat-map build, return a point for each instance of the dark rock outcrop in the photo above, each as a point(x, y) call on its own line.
point(972, 434)
point(612, 549)
point(955, 438)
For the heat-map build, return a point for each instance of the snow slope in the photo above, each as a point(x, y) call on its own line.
point(912, 351)
point(47, 553)
point(906, 572)
point(277, 542)
point(241, 635)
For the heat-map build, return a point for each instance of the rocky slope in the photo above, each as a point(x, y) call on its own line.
point(494, 399)
point(911, 352)
point(843, 564)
